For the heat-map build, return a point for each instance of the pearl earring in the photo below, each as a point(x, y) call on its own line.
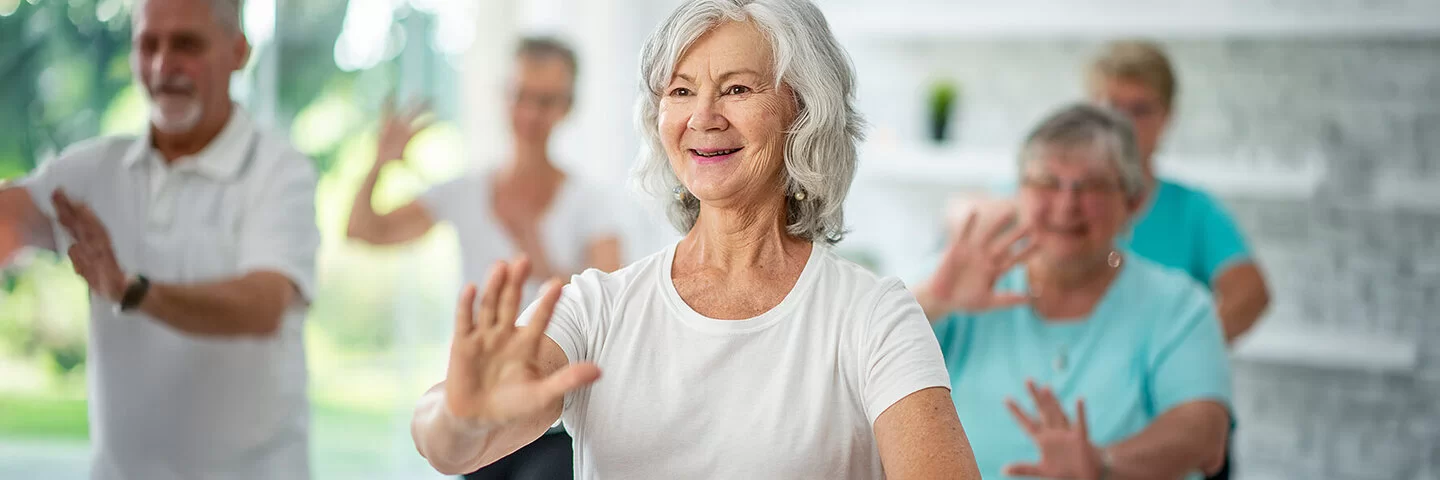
point(1114, 259)
point(800, 196)
point(679, 194)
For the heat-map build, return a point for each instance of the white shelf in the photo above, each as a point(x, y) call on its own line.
point(958, 170)
point(1079, 21)
point(1277, 343)
point(1409, 193)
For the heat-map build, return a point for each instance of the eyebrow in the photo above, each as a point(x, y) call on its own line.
point(723, 76)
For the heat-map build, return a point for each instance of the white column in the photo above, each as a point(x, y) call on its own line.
point(483, 72)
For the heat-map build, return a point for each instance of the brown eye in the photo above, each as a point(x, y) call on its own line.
point(737, 90)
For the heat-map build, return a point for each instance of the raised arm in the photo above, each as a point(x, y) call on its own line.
point(403, 224)
point(505, 385)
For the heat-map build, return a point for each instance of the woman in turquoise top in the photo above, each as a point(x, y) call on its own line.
point(1109, 365)
point(1179, 226)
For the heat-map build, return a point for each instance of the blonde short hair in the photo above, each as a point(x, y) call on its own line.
point(1134, 60)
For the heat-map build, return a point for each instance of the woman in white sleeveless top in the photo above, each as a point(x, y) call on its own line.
point(527, 206)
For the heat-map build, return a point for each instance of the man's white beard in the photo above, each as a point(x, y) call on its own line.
point(173, 114)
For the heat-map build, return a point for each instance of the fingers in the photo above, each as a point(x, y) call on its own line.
point(1001, 247)
point(465, 311)
point(943, 280)
point(1049, 408)
point(1023, 470)
point(534, 333)
point(1028, 424)
point(568, 378)
point(487, 317)
point(514, 287)
point(1024, 254)
point(963, 235)
point(989, 231)
point(1082, 424)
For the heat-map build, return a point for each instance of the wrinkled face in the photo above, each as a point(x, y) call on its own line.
point(1074, 200)
point(723, 120)
point(1143, 105)
point(184, 58)
point(540, 96)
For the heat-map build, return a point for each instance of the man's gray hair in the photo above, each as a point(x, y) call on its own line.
point(227, 14)
point(820, 146)
point(1084, 125)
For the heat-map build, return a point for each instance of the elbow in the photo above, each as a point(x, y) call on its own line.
point(353, 231)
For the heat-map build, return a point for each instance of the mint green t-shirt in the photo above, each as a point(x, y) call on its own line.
point(1152, 343)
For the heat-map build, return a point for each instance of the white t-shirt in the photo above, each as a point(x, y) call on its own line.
point(792, 393)
point(579, 214)
point(165, 405)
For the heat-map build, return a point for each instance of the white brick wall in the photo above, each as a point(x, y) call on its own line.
point(1340, 261)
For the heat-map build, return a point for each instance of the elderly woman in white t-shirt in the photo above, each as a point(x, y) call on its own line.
point(746, 350)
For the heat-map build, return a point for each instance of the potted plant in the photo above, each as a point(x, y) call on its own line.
point(944, 95)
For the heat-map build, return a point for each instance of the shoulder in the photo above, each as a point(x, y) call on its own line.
point(856, 290)
point(598, 287)
point(1166, 287)
point(1182, 194)
point(95, 152)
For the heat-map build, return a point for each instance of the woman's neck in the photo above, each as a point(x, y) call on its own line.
point(1077, 277)
point(735, 239)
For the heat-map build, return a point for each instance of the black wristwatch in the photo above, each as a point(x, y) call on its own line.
point(134, 293)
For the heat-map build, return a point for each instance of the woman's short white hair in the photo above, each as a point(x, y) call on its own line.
point(1083, 125)
point(820, 146)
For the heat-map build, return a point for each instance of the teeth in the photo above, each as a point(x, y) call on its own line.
point(716, 154)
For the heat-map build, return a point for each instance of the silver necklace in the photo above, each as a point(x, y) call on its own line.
point(1062, 352)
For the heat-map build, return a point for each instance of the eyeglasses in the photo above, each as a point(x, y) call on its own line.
point(1050, 185)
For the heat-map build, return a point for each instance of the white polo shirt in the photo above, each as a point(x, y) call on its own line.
point(169, 405)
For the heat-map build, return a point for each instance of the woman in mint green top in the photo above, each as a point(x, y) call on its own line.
point(1108, 364)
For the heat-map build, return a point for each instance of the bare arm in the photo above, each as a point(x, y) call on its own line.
point(1241, 296)
point(401, 225)
point(405, 223)
point(920, 436)
point(1190, 437)
point(21, 222)
point(253, 304)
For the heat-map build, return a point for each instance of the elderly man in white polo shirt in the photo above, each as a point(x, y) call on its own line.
point(197, 240)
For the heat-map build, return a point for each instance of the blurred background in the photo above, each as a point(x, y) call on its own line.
point(1317, 122)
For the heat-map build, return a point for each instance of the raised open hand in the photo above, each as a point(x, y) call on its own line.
point(977, 255)
point(397, 128)
point(1065, 448)
point(495, 377)
point(92, 254)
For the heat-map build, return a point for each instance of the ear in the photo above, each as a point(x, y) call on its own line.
point(1135, 203)
point(241, 51)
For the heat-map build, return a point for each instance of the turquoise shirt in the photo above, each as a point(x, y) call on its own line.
point(1187, 229)
point(1151, 343)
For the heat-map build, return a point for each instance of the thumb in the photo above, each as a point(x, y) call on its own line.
point(571, 377)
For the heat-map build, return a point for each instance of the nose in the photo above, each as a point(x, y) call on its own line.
point(162, 63)
point(707, 116)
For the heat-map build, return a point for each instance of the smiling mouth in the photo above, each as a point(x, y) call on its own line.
point(713, 153)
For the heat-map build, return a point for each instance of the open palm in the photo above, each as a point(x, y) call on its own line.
point(975, 258)
point(1065, 448)
point(495, 377)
